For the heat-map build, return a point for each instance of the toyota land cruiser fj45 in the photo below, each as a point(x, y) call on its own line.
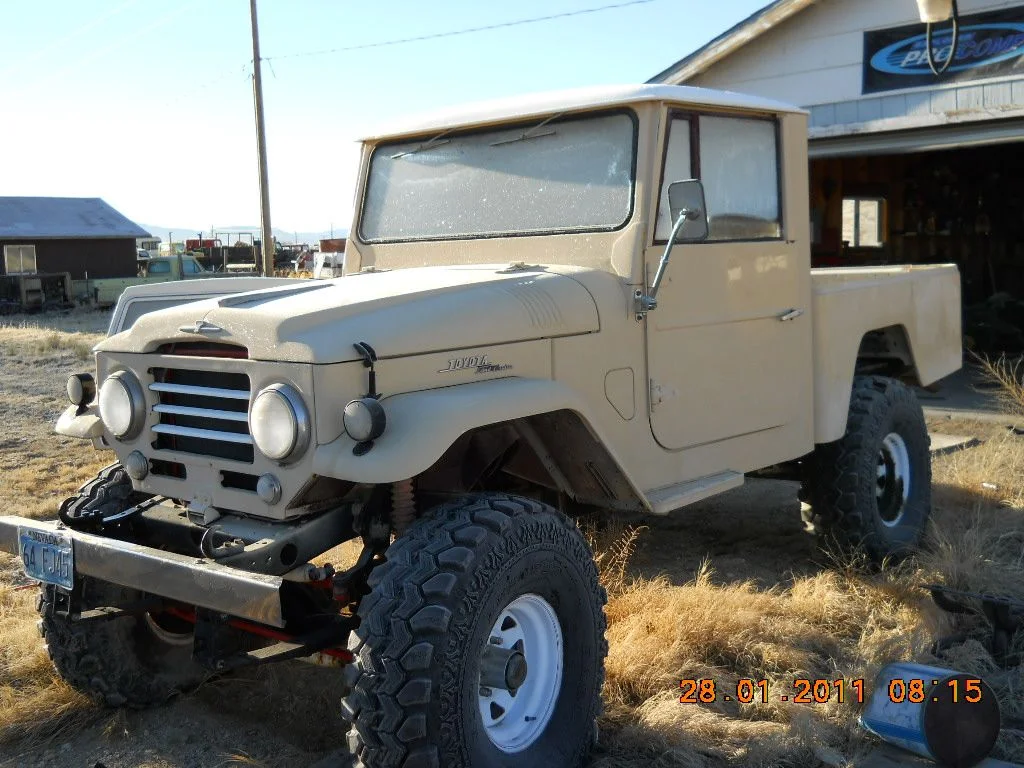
point(511, 345)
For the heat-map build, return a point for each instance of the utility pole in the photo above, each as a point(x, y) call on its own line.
point(266, 236)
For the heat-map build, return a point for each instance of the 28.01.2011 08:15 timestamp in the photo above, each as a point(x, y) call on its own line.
point(821, 691)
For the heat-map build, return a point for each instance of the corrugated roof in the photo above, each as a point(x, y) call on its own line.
point(63, 217)
point(731, 40)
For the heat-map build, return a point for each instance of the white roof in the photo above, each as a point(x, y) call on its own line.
point(555, 102)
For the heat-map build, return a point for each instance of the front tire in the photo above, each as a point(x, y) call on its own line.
point(870, 491)
point(481, 642)
point(134, 661)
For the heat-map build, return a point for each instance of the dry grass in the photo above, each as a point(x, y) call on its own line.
point(44, 343)
point(1008, 375)
point(841, 622)
point(35, 703)
point(844, 623)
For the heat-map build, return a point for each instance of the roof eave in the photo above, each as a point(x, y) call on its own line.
point(730, 41)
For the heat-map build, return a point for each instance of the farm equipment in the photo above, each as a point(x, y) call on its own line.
point(35, 292)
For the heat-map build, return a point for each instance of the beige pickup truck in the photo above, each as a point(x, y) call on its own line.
point(597, 299)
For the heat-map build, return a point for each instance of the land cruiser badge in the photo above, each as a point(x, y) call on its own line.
point(478, 362)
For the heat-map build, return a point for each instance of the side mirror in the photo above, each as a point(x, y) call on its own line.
point(690, 217)
point(686, 198)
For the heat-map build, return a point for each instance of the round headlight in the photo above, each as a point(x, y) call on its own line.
point(122, 405)
point(364, 419)
point(81, 389)
point(279, 423)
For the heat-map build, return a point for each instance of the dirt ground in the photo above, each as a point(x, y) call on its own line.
point(742, 553)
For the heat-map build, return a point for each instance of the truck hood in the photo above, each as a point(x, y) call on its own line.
point(408, 311)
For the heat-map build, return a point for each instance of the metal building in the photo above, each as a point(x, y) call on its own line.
point(907, 166)
point(80, 235)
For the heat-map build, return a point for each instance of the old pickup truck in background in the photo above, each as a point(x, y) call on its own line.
point(589, 300)
point(156, 269)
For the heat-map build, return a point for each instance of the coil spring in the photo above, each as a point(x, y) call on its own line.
point(403, 505)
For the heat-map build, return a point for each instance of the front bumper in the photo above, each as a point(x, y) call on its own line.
point(253, 596)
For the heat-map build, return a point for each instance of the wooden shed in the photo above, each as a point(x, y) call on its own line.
point(80, 235)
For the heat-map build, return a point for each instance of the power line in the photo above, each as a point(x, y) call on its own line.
point(454, 33)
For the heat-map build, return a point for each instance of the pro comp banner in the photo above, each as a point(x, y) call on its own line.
point(990, 45)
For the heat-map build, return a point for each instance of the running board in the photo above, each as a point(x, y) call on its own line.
point(672, 497)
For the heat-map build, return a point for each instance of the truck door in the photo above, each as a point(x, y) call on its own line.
point(729, 345)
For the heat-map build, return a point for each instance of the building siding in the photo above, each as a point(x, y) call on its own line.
point(815, 60)
point(107, 257)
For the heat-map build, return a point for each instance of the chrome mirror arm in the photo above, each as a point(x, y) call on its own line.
point(646, 302)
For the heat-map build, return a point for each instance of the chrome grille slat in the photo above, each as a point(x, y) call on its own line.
point(203, 412)
point(188, 389)
point(203, 434)
point(208, 413)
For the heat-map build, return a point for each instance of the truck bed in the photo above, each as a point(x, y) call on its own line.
point(921, 302)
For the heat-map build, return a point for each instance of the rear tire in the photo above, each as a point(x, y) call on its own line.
point(870, 492)
point(490, 589)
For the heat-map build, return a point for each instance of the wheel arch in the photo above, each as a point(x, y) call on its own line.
point(429, 433)
point(887, 351)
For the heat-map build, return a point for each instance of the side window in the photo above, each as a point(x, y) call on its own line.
point(863, 222)
point(160, 268)
point(677, 168)
point(191, 268)
point(740, 170)
point(20, 259)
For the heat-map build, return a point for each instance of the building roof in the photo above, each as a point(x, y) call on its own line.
point(731, 40)
point(40, 218)
point(556, 102)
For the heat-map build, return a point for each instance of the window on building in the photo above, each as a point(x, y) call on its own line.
point(20, 259)
point(864, 222)
point(739, 166)
point(160, 268)
point(677, 168)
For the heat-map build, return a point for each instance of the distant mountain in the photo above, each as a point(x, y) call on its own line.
point(284, 236)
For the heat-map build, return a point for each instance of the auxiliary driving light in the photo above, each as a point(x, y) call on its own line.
point(81, 389)
point(364, 419)
point(268, 488)
point(136, 465)
point(122, 405)
point(279, 423)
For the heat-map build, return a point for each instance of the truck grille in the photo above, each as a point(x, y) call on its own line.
point(203, 412)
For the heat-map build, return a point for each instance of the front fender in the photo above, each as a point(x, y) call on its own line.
point(85, 425)
point(422, 425)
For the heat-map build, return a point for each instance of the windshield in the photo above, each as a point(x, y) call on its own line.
point(545, 176)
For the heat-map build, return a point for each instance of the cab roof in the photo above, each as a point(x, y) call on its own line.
point(555, 102)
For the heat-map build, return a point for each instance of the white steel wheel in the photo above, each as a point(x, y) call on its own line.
point(893, 479)
point(520, 673)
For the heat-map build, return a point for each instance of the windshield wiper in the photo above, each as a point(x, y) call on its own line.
point(429, 144)
point(531, 133)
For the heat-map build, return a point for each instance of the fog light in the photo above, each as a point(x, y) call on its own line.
point(81, 389)
point(364, 419)
point(268, 488)
point(136, 465)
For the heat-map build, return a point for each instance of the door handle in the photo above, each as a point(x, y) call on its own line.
point(792, 314)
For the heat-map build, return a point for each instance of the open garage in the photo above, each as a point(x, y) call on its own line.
point(912, 161)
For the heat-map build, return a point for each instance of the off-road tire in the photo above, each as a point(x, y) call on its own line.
point(842, 479)
point(415, 680)
point(117, 662)
point(105, 495)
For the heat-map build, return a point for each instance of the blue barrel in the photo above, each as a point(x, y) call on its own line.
point(943, 715)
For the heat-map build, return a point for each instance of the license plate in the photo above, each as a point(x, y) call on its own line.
point(48, 556)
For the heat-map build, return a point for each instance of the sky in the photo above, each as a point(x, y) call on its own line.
point(149, 103)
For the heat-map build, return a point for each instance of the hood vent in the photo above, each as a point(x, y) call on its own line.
point(204, 349)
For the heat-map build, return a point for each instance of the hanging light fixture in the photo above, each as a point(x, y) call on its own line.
point(936, 12)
